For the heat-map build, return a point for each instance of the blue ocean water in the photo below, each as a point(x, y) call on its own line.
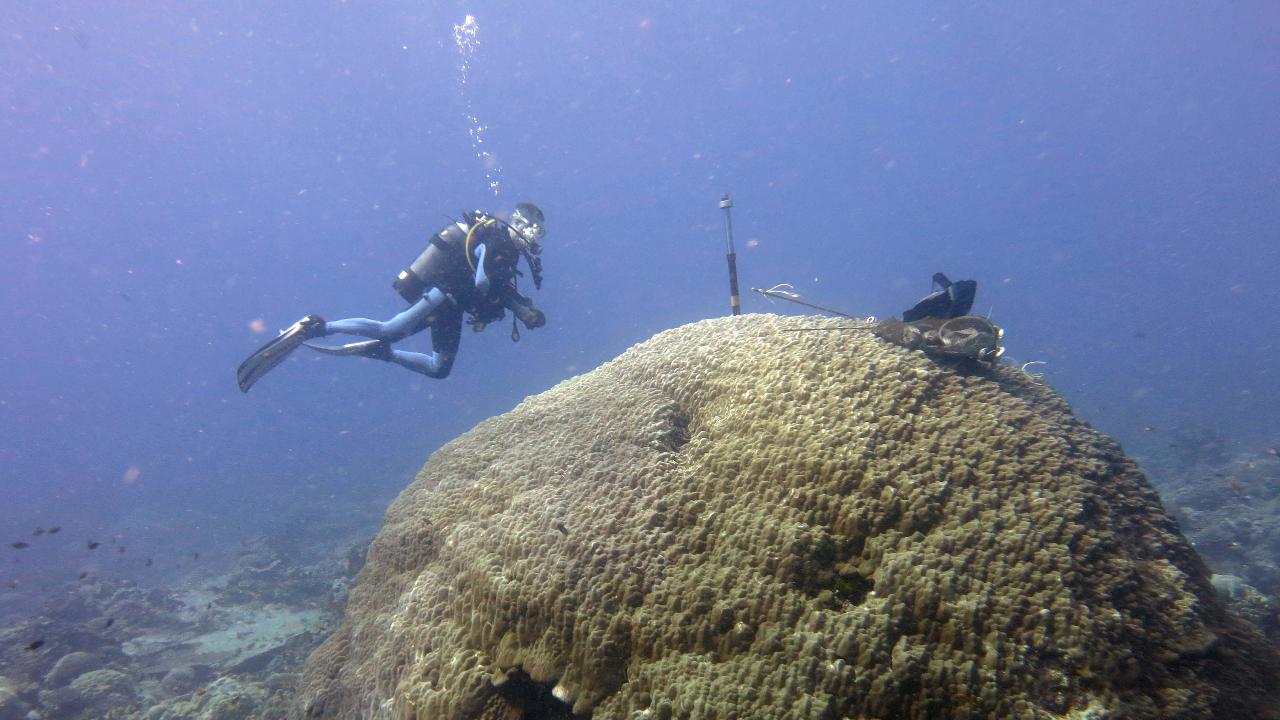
point(173, 173)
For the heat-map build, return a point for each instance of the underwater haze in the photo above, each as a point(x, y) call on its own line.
point(181, 180)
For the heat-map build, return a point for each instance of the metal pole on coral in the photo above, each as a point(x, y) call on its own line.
point(734, 304)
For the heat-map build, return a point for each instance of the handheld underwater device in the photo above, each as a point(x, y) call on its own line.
point(734, 304)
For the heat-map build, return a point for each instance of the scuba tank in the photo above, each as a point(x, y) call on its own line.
point(443, 263)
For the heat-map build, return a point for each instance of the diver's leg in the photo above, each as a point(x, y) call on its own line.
point(406, 323)
point(446, 336)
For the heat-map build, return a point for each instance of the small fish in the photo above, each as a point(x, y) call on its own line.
point(92, 544)
point(34, 645)
point(83, 574)
point(110, 621)
point(195, 556)
point(20, 545)
point(1237, 488)
point(54, 530)
point(200, 692)
point(1148, 429)
point(148, 562)
point(38, 532)
point(1273, 452)
point(121, 549)
point(560, 526)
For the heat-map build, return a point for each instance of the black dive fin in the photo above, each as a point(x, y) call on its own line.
point(950, 300)
point(936, 305)
point(962, 294)
point(273, 353)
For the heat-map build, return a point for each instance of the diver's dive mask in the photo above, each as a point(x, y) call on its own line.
point(527, 221)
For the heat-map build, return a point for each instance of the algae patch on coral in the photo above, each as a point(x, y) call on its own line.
point(731, 520)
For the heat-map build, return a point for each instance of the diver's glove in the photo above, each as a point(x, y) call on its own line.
point(532, 317)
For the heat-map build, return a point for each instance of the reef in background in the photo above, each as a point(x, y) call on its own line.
point(1226, 499)
point(737, 520)
point(225, 644)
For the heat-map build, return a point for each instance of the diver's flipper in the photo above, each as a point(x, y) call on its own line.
point(951, 300)
point(935, 304)
point(376, 349)
point(962, 293)
point(273, 353)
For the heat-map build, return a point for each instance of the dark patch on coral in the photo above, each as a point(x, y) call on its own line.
point(852, 588)
point(532, 700)
point(677, 432)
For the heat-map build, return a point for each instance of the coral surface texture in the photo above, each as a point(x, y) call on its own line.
point(771, 517)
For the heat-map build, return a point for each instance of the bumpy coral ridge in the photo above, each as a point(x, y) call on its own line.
point(738, 520)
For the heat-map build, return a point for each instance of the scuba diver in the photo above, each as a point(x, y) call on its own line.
point(469, 266)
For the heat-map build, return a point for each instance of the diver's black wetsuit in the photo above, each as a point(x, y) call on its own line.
point(469, 266)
